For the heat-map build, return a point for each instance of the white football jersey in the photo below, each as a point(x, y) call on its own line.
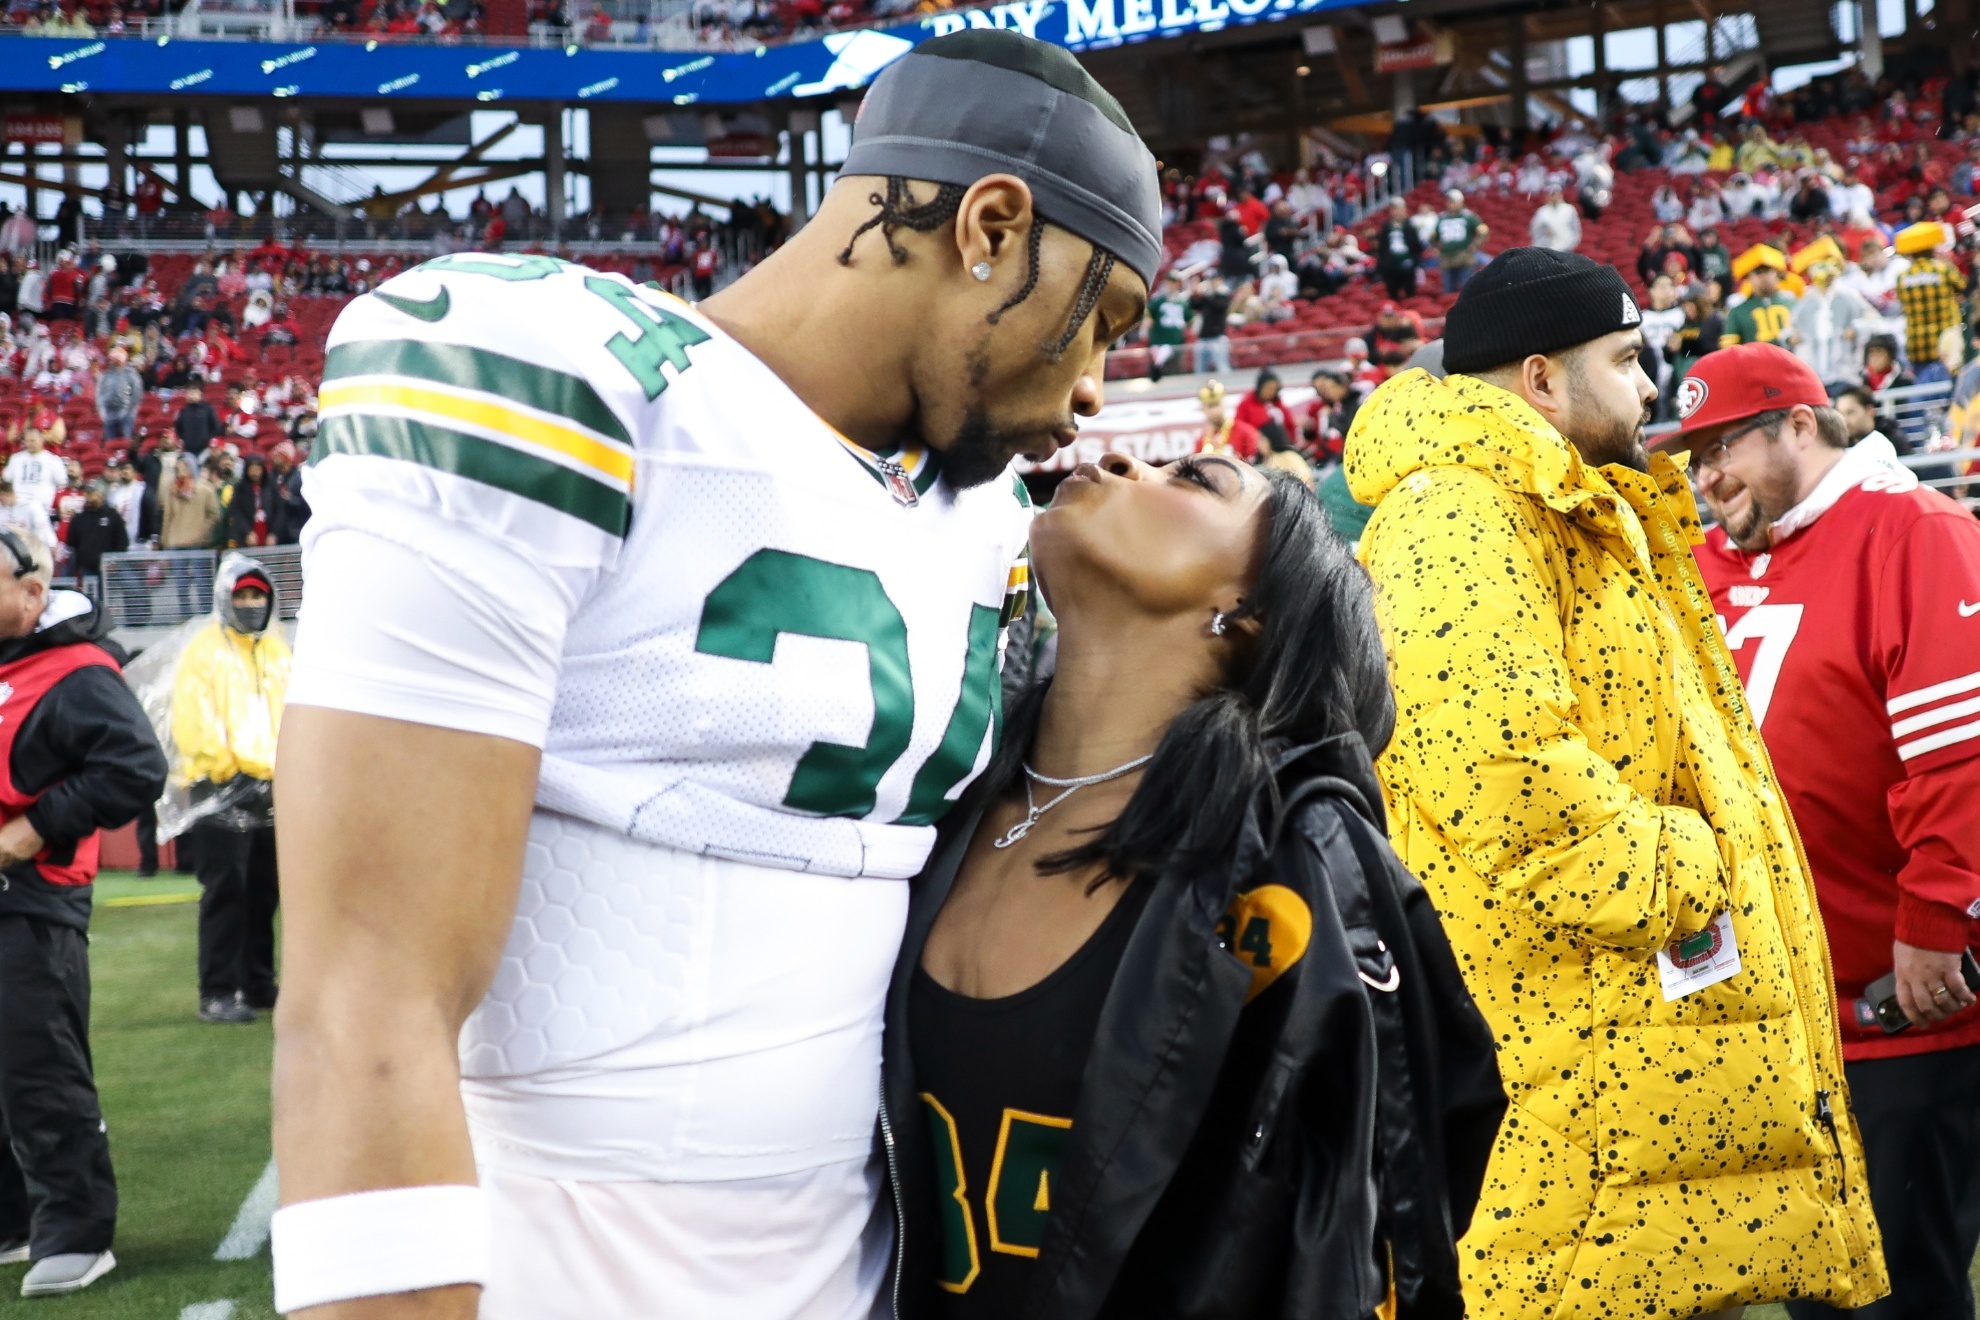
point(748, 649)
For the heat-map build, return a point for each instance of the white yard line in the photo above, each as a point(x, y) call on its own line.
point(223, 1310)
point(249, 1232)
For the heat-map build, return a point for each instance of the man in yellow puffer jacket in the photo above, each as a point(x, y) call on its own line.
point(1577, 780)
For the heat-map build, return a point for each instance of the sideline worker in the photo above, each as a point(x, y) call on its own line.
point(1851, 598)
point(80, 757)
point(1576, 780)
point(226, 711)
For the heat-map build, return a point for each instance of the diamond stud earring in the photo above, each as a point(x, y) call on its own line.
point(982, 272)
point(1217, 625)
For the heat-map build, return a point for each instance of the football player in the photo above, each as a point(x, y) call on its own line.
point(644, 645)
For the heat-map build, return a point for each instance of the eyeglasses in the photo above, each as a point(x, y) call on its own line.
point(1714, 455)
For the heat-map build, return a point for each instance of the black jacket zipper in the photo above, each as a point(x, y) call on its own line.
point(900, 1215)
point(1828, 1117)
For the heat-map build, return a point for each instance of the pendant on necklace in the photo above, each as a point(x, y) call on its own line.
point(1017, 831)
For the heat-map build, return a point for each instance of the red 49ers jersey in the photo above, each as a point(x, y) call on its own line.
point(1858, 640)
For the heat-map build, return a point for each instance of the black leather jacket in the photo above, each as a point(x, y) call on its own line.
point(1249, 1162)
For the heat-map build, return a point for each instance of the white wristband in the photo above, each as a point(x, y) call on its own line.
point(370, 1243)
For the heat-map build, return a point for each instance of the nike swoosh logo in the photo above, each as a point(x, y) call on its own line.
point(431, 309)
point(1968, 611)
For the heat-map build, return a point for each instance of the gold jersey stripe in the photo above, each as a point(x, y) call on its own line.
point(608, 460)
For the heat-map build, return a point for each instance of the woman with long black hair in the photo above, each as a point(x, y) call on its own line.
point(1173, 1034)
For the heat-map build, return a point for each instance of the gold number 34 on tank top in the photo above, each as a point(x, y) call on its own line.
point(1017, 1201)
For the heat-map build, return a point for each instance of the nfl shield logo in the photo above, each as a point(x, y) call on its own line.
point(897, 483)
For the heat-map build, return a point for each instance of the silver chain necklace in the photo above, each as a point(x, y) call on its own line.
point(1068, 786)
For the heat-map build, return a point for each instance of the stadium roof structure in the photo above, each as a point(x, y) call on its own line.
point(1285, 73)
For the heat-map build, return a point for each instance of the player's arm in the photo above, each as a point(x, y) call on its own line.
point(1930, 645)
point(1486, 732)
point(401, 852)
point(418, 700)
point(445, 559)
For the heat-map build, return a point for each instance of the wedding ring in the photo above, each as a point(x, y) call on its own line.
point(1941, 993)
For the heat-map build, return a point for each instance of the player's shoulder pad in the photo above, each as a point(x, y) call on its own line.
point(520, 372)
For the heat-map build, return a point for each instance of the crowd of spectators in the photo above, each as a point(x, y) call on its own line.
point(1849, 196)
point(741, 238)
point(184, 410)
point(191, 380)
point(389, 19)
point(78, 18)
point(1831, 222)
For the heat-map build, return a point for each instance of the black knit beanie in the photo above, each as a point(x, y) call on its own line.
point(1531, 300)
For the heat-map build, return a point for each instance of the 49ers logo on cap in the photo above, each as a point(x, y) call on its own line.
point(1691, 396)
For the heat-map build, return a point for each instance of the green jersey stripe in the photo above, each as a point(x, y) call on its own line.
point(549, 391)
point(546, 483)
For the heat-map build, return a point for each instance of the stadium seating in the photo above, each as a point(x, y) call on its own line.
point(1317, 330)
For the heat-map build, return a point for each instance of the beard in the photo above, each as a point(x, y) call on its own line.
point(979, 450)
point(1749, 529)
point(1601, 436)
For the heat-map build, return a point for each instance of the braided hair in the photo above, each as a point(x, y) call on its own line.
point(1099, 269)
point(898, 209)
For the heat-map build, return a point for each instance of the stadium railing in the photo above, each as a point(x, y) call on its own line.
point(1918, 410)
point(157, 589)
point(1953, 472)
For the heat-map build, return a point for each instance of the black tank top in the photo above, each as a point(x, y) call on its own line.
point(999, 1080)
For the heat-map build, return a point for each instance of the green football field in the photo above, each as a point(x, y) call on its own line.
point(187, 1106)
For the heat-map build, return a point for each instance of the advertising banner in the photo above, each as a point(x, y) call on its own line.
point(387, 70)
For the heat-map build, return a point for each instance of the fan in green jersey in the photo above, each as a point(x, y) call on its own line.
point(1763, 318)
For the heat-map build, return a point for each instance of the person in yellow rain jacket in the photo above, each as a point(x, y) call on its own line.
point(1577, 780)
point(226, 711)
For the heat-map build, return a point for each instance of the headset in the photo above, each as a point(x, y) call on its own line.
point(17, 550)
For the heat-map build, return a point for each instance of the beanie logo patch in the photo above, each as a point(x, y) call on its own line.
point(1630, 315)
point(1691, 396)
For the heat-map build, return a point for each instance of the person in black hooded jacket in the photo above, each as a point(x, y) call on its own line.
point(1173, 1035)
point(80, 757)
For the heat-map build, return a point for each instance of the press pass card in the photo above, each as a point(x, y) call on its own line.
point(1697, 961)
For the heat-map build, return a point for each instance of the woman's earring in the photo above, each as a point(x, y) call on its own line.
point(1217, 624)
point(982, 272)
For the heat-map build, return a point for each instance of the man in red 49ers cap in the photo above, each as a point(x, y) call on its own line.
point(1850, 595)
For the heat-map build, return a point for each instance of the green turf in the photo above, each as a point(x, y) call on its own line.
point(187, 1107)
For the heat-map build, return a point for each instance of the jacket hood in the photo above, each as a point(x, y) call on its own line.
point(68, 618)
point(1340, 766)
point(232, 568)
point(1416, 421)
